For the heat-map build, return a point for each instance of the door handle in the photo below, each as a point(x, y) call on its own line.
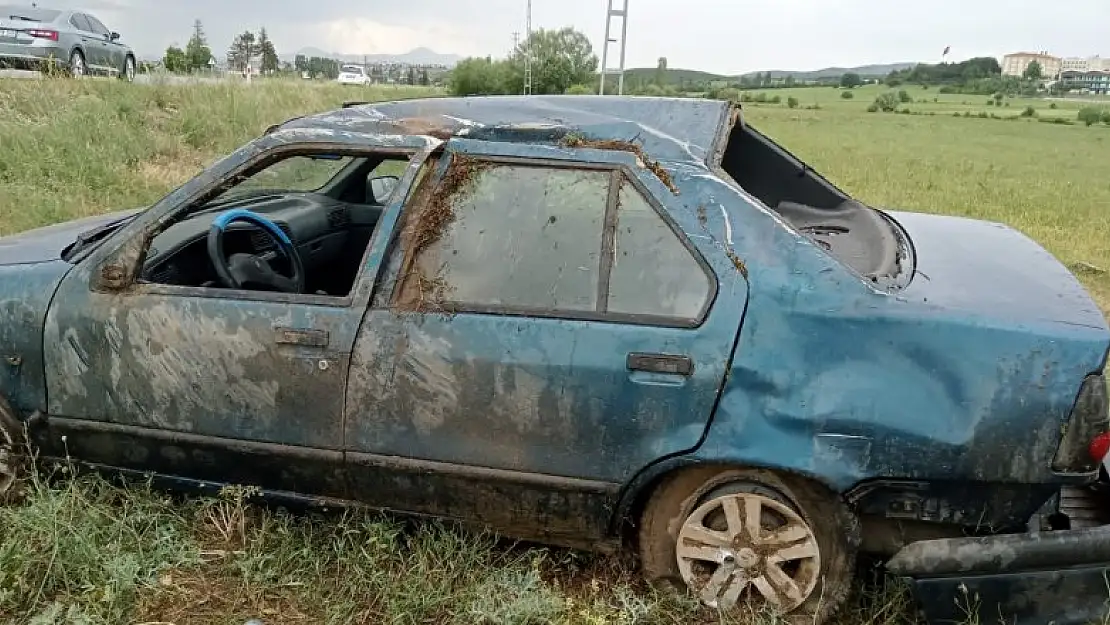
point(303, 337)
point(671, 364)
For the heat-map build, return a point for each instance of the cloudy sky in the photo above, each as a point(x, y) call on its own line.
point(724, 36)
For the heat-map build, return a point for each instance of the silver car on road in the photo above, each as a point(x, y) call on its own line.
point(74, 40)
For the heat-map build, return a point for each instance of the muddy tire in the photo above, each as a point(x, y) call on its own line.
point(12, 453)
point(694, 535)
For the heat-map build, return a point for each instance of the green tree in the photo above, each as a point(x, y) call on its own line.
point(480, 76)
point(265, 47)
point(1033, 71)
point(1106, 117)
point(661, 72)
point(850, 80)
point(424, 80)
point(904, 97)
point(197, 52)
point(242, 49)
point(412, 75)
point(790, 80)
point(560, 58)
point(175, 60)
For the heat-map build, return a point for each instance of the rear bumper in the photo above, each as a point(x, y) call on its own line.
point(1059, 577)
point(24, 55)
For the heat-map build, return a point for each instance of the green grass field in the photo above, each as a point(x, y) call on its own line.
point(81, 551)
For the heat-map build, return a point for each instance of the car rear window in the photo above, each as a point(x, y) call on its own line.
point(29, 14)
point(352, 69)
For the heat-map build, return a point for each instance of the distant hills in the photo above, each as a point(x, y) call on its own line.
point(833, 72)
point(419, 56)
point(679, 76)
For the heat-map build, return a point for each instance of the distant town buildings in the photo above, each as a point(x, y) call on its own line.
point(1016, 64)
point(1090, 75)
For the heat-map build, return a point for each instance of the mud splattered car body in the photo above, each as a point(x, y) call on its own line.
point(562, 304)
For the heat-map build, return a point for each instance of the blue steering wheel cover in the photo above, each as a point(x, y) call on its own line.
point(241, 214)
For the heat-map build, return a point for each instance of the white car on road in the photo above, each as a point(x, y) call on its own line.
point(353, 75)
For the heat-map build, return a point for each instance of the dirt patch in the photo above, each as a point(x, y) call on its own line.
point(424, 126)
point(576, 141)
point(434, 213)
point(739, 264)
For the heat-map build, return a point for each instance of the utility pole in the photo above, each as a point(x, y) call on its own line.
point(516, 43)
point(528, 52)
point(610, 14)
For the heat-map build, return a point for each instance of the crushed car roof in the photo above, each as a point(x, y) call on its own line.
point(668, 129)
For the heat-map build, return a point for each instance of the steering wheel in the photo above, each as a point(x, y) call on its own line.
point(243, 269)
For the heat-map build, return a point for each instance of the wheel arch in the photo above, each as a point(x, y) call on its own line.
point(636, 493)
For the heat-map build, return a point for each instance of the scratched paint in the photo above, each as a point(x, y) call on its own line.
point(960, 379)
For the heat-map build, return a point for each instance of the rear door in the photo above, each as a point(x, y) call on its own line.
point(87, 39)
point(548, 320)
point(105, 47)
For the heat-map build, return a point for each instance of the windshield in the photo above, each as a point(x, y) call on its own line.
point(296, 174)
point(28, 14)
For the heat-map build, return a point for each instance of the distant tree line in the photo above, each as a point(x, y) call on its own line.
point(197, 55)
point(562, 60)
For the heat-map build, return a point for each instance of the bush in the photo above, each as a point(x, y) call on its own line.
point(847, 95)
point(1090, 115)
point(948, 89)
point(1106, 117)
point(904, 96)
point(579, 90)
point(730, 94)
point(887, 102)
point(775, 100)
point(990, 102)
point(1029, 112)
point(761, 97)
point(874, 108)
point(792, 102)
point(1053, 106)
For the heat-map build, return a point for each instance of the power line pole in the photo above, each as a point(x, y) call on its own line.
point(610, 14)
point(528, 52)
point(516, 43)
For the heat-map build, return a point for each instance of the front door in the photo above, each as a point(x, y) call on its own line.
point(552, 332)
point(221, 384)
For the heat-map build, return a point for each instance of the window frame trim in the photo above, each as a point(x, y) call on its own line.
point(618, 173)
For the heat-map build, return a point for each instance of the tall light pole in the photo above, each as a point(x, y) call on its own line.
point(528, 52)
point(611, 13)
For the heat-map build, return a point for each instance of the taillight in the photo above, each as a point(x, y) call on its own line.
point(1100, 447)
point(52, 35)
point(1088, 424)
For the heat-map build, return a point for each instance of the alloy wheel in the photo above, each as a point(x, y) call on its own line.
point(748, 544)
point(77, 64)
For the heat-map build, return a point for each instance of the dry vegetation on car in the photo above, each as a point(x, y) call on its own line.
point(80, 550)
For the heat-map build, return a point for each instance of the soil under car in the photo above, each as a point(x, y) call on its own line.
point(588, 322)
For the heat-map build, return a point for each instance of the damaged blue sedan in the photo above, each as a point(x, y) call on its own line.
point(599, 322)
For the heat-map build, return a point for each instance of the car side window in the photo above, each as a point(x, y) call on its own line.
point(96, 27)
point(499, 236)
point(80, 22)
point(653, 273)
